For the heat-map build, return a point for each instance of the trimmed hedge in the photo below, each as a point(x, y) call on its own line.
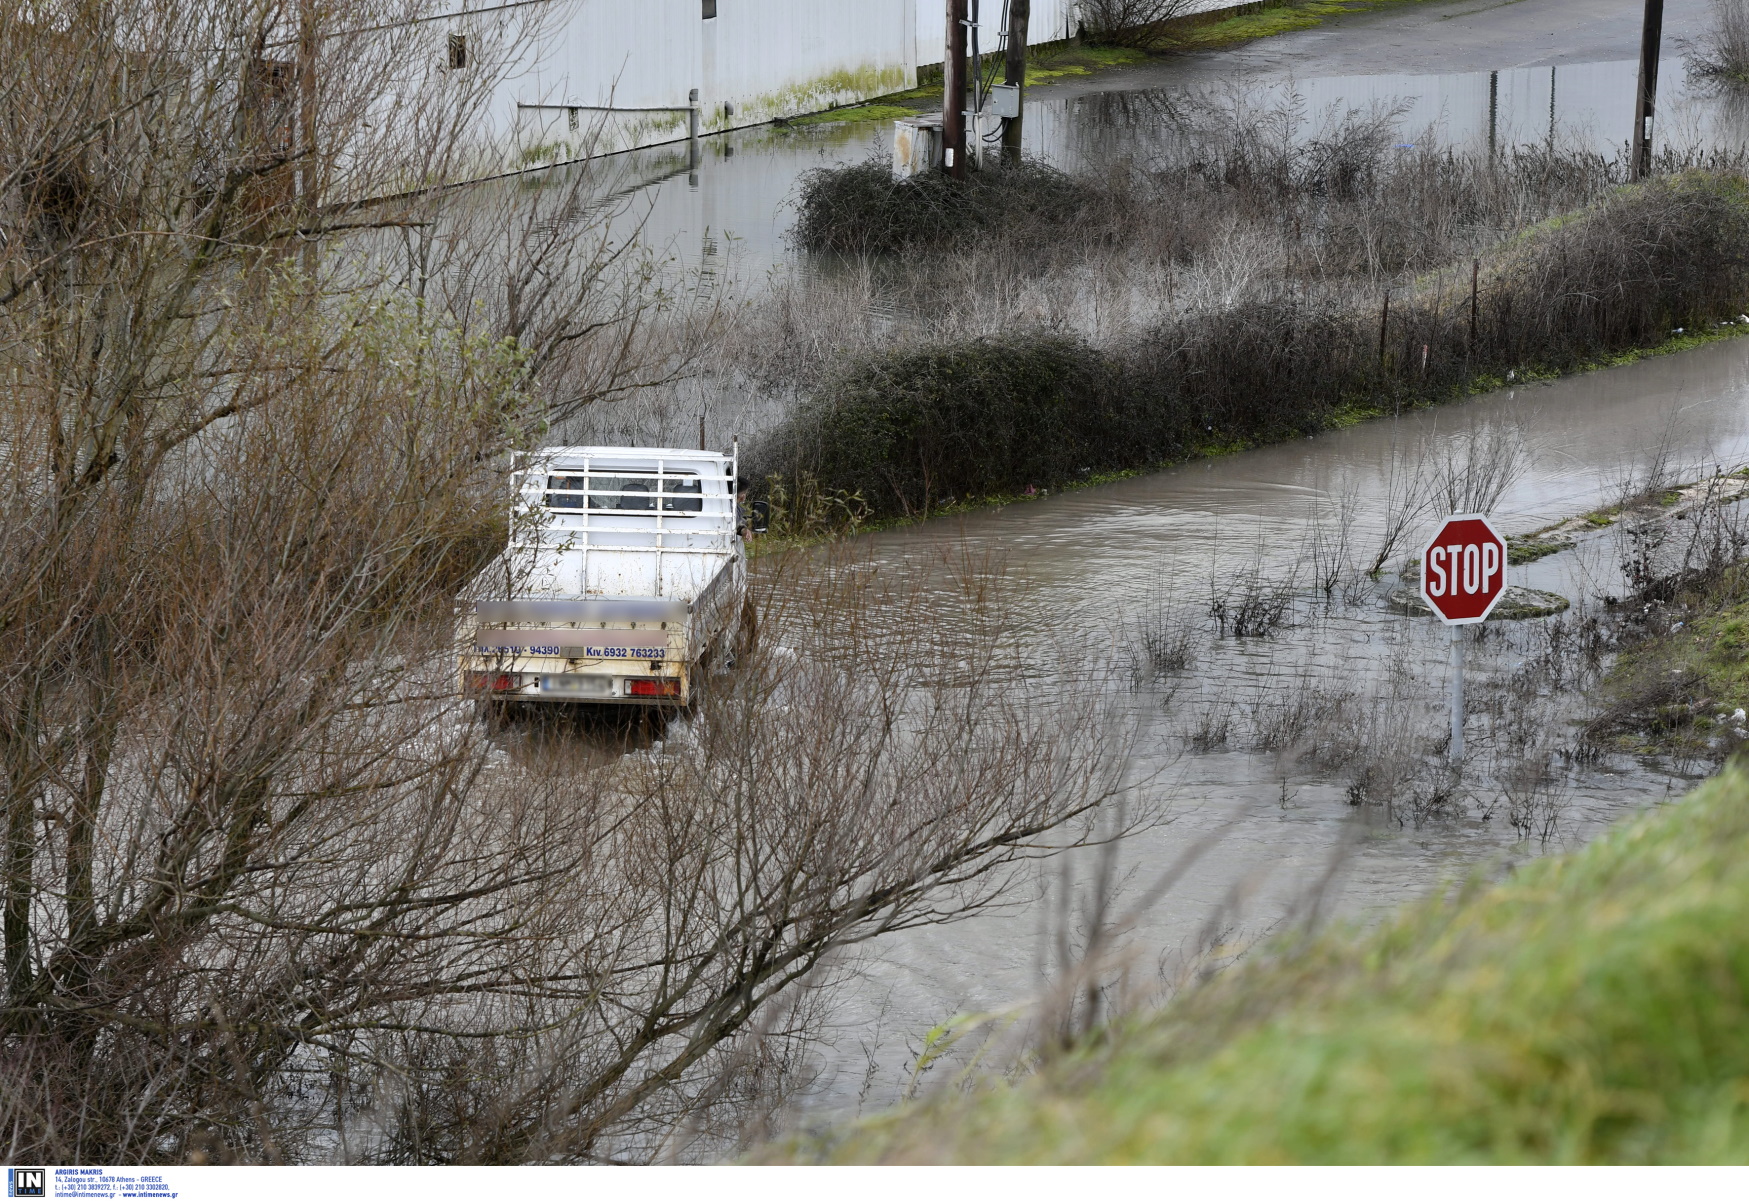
point(911, 428)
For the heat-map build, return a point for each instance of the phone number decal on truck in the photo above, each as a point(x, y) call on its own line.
point(579, 652)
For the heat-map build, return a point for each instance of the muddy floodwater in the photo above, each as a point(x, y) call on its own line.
point(1286, 835)
point(1095, 559)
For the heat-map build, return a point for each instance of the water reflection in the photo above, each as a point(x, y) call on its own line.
point(739, 199)
point(1587, 106)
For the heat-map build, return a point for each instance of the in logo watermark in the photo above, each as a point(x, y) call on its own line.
point(27, 1182)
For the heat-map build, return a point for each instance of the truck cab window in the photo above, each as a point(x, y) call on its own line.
point(626, 494)
point(690, 498)
point(559, 485)
point(633, 503)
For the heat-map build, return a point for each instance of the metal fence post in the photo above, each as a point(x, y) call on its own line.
point(1457, 695)
point(692, 130)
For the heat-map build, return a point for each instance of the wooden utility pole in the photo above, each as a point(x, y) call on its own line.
point(1014, 74)
point(1646, 95)
point(953, 92)
point(1493, 113)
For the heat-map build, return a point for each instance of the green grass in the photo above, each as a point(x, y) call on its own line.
point(1286, 18)
point(1520, 551)
point(1670, 693)
point(1080, 60)
point(859, 112)
point(1715, 649)
point(1592, 1008)
point(1067, 63)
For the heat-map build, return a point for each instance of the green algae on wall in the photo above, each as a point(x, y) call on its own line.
point(831, 90)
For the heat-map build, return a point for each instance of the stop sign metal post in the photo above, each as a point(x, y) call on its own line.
point(1463, 576)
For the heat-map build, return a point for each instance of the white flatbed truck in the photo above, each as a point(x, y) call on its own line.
point(625, 572)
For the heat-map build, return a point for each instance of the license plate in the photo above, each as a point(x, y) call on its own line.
point(567, 685)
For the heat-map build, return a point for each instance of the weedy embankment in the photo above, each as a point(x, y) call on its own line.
point(1588, 1010)
point(1681, 684)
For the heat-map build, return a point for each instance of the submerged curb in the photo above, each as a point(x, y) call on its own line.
point(1518, 604)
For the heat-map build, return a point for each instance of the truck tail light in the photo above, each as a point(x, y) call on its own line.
point(493, 681)
point(653, 687)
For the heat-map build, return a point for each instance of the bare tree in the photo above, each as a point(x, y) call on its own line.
point(878, 764)
point(1721, 53)
point(1139, 23)
point(269, 892)
point(157, 166)
point(1408, 496)
point(319, 909)
point(558, 263)
point(1469, 473)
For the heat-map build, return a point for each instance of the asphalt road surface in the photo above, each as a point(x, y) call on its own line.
point(1425, 37)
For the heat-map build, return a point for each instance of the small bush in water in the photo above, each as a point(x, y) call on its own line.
point(863, 210)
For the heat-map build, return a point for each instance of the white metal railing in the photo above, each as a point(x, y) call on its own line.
point(709, 529)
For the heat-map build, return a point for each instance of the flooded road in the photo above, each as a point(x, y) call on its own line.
point(1212, 746)
point(1285, 836)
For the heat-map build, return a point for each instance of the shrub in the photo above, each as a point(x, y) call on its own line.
point(862, 209)
point(1722, 52)
point(1137, 23)
point(910, 428)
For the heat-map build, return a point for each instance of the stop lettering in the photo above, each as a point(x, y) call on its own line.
point(1463, 569)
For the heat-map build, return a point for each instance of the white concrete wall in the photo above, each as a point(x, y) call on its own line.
point(653, 52)
point(755, 60)
point(632, 53)
point(783, 57)
point(1051, 21)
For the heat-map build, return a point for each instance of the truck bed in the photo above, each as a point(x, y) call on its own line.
point(624, 571)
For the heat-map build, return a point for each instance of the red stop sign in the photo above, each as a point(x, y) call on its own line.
point(1463, 569)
